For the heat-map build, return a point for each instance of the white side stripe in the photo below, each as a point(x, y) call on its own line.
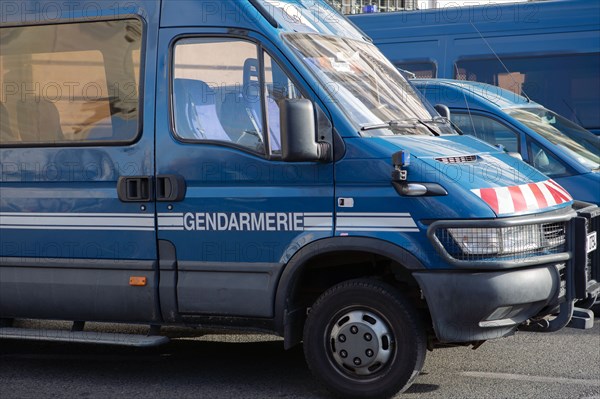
point(86, 215)
point(384, 229)
point(317, 221)
point(111, 228)
point(170, 221)
point(312, 221)
point(372, 214)
point(76, 221)
point(343, 222)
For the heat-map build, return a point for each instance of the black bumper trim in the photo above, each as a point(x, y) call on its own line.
point(461, 303)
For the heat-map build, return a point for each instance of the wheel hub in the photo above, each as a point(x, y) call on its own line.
point(360, 342)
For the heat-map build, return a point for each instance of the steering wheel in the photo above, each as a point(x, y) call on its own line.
point(250, 138)
point(249, 133)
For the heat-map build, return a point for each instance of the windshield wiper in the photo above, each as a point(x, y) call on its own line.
point(411, 123)
point(394, 123)
point(438, 120)
point(432, 130)
point(406, 124)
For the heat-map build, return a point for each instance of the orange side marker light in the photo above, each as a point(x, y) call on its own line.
point(137, 281)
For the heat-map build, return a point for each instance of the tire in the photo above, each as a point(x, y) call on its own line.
point(337, 333)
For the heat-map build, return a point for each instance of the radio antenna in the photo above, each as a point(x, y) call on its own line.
point(467, 104)
point(501, 63)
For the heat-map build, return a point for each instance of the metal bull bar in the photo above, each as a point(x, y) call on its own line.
point(582, 274)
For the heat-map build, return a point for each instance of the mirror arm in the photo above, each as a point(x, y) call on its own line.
point(324, 151)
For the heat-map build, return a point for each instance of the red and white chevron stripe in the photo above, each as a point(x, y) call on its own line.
point(526, 197)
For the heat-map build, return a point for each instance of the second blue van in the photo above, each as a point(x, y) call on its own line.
point(552, 144)
point(549, 50)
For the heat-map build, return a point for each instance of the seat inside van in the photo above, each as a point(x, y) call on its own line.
point(6, 133)
point(39, 121)
point(196, 115)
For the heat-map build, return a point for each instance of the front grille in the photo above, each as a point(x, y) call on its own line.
point(459, 159)
point(562, 272)
point(514, 242)
point(554, 234)
point(593, 258)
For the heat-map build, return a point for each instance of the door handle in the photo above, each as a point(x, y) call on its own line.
point(135, 188)
point(170, 188)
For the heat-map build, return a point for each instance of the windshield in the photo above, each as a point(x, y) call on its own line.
point(310, 16)
point(366, 86)
point(583, 145)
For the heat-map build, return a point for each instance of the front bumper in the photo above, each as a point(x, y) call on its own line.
point(484, 299)
point(477, 306)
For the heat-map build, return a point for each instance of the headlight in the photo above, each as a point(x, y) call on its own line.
point(521, 239)
point(500, 241)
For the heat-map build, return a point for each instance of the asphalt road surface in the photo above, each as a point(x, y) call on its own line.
point(559, 365)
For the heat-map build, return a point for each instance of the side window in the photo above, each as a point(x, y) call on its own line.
point(544, 161)
point(70, 83)
point(487, 129)
point(278, 87)
point(216, 92)
point(220, 98)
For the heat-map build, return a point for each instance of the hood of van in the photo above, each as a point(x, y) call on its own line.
point(507, 185)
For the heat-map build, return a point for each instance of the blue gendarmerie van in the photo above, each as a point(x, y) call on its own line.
point(555, 146)
point(259, 165)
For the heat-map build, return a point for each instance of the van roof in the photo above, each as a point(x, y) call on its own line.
point(316, 16)
point(498, 96)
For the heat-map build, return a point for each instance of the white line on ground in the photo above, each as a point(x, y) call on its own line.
point(531, 378)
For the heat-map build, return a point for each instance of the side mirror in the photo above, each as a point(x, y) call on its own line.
point(443, 110)
point(298, 132)
point(516, 155)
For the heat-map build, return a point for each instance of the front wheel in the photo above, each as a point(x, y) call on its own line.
point(363, 339)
